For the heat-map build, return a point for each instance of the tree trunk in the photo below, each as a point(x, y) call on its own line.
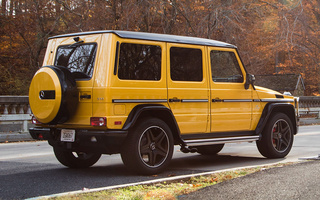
point(4, 8)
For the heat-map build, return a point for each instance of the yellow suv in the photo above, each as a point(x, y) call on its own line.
point(139, 94)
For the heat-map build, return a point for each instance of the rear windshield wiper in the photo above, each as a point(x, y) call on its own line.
point(75, 44)
point(77, 40)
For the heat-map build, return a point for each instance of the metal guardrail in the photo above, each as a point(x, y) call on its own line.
point(15, 110)
point(309, 102)
point(309, 107)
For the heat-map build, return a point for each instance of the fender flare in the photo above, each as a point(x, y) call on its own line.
point(270, 108)
point(154, 110)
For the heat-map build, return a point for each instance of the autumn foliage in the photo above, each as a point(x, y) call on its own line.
point(273, 36)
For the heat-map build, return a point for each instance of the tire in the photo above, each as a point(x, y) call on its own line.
point(277, 137)
point(210, 149)
point(76, 159)
point(148, 148)
point(53, 95)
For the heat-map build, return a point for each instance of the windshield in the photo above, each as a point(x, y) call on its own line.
point(78, 58)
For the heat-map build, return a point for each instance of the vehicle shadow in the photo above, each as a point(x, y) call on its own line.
point(204, 163)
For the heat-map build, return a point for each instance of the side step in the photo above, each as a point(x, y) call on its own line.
point(211, 141)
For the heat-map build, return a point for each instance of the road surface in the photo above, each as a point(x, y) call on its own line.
point(30, 169)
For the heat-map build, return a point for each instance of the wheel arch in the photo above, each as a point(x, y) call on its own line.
point(154, 110)
point(272, 108)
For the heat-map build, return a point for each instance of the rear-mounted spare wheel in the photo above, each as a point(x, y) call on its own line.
point(53, 95)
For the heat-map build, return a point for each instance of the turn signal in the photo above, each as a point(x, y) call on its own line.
point(98, 121)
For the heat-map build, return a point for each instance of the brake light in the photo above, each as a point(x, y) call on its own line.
point(40, 137)
point(34, 120)
point(98, 121)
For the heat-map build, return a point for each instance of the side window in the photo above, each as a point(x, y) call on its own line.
point(225, 67)
point(79, 59)
point(139, 62)
point(185, 64)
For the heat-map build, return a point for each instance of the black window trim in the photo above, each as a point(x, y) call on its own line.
point(116, 62)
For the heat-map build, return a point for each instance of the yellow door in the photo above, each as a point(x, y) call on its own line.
point(188, 93)
point(140, 78)
point(231, 103)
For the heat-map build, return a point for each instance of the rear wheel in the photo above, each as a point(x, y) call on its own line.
point(277, 138)
point(76, 159)
point(210, 149)
point(148, 148)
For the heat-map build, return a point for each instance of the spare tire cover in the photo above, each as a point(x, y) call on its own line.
point(53, 95)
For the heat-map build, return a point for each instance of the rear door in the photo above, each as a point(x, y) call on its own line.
point(188, 93)
point(140, 78)
point(231, 103)
point(81, 59)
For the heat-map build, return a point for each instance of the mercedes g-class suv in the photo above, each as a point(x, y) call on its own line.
point(139, 94)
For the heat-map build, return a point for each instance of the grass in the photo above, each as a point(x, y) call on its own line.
point(167, 190)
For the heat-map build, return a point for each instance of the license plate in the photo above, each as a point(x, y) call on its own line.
point(68, 135)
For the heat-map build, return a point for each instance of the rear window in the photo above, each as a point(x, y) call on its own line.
point(78, 58)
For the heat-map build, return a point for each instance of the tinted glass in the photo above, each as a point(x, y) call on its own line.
point(139, 62)
point(78, 58)
point(225, 67)
point(185, 64)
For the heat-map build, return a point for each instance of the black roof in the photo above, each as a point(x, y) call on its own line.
point(155, 37)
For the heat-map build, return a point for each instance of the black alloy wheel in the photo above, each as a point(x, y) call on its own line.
point(148, 148)
point(277, 138)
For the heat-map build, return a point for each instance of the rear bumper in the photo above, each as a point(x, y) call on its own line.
point(100, 141)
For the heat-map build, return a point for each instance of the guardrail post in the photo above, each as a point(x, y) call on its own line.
point(25, 126)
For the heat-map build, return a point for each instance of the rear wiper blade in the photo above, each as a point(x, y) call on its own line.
point(76, 44)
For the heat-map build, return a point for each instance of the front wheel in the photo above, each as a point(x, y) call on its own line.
point(148, 148)
point(76, 159)
point(277, 138)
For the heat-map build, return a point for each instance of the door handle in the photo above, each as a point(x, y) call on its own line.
point(217, 100)
point(85, 96)
point(174, 100)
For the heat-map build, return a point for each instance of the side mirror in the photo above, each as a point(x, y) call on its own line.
point(250, 79)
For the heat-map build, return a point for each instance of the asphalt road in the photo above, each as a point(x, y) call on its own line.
point(30, 169)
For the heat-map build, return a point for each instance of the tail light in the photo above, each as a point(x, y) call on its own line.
point(98, 121)
point(34, 120)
